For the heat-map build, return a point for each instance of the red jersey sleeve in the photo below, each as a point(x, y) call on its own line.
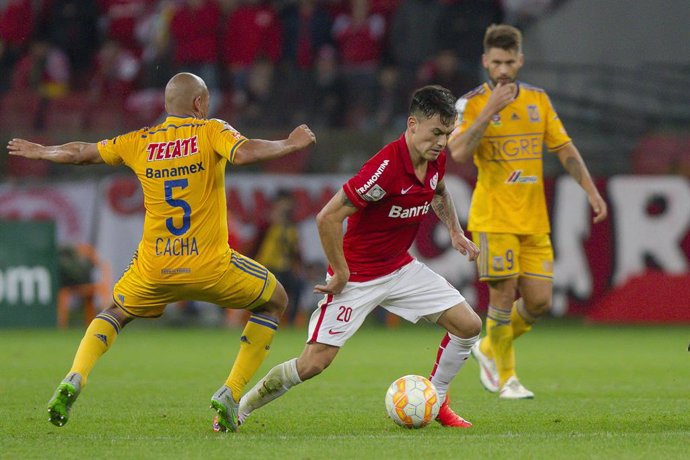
point(370, 183)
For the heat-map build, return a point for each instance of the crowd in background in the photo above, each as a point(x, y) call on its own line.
point(331, 63)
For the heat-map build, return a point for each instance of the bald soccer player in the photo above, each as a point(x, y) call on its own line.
point(183, 253)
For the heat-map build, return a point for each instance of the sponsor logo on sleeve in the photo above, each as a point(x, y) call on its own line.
point(374, 194)
point(372, 180)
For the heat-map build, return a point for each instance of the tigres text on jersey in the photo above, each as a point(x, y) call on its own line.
point(509, 195)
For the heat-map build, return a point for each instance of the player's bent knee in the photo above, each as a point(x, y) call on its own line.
point(539, 309)
point(308, 368)
point(461, 321)
point(315, 358)
point(471, 327)
point(119, 314)
point(277, 304)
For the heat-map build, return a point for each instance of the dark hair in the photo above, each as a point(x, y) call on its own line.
point(502, 36)
point(434, 99)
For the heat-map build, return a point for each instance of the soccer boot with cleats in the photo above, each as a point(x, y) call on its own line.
point(60, 404)
point(513, 389)
point(226, 410)
point(488, 374)
point(447, 417)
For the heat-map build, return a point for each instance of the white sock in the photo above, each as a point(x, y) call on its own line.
point(274, 384)
point(452, 354)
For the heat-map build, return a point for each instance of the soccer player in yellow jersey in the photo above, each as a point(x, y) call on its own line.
point(183, 253)
point(505, 126)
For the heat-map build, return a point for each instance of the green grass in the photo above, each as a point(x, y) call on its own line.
point(601, 392)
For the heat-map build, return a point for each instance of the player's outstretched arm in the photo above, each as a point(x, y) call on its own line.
point(330, 224)
point(462, 144)
point(572, 161)
point(255, 150)
point(443, 206)
point(79, 153)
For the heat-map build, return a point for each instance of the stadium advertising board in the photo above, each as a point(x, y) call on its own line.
point(642, 248)
point(28, 273)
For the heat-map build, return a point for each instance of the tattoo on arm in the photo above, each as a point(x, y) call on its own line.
point(442, 204)
point(347, 202)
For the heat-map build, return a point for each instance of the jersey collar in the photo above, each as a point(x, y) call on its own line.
point(404, 152)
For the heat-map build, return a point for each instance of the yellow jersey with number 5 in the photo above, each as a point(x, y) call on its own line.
point(509, 194)
point(181, 167)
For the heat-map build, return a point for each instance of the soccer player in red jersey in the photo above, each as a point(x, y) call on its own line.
point(370, 265)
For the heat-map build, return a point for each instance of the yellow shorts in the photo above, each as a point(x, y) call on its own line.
point(505, 255)
point(245, 284)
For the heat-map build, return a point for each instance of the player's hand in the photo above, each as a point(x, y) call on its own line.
point(24, 148)
point(334, 285)
point(301, 137)
point(465, 246)
point(501, 96)
point(599, 207)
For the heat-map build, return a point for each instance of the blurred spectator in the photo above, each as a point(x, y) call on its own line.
point(306, 29)
point(16, 27)
point(385, 8)
point(46, 71)
point(278, 249)
point(252, 33)
point(119, 19)
point(413, 37)
point(115, 71)
point(259, 97)
point(194, 30)
point(444, 69)
point(359, 36)
point(327, 101)
point(153, 32)
point(461, 29)
point(392, 104)
point(71, 25)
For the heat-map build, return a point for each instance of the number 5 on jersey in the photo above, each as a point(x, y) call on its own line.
point(170, 185)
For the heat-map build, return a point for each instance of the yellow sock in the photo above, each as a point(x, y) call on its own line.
point(500, 335)
point(485, 345)
point(254, 345)
point(98, 338)
point(518, 323)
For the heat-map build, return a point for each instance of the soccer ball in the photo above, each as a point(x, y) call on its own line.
point(412, 401)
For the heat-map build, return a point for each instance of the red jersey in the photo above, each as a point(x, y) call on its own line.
point(391, 203)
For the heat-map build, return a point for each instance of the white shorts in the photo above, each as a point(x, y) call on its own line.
point(411, 292)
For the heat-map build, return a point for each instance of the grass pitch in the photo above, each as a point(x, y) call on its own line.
point(601, 392)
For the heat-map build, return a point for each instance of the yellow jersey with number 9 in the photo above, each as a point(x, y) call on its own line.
point(509, 194)
point(181, 166)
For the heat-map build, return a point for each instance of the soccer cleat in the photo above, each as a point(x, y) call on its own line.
point(226, 410)
point(488, 374)
point(447, 417)
point(60, 404)
point(513, 389)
